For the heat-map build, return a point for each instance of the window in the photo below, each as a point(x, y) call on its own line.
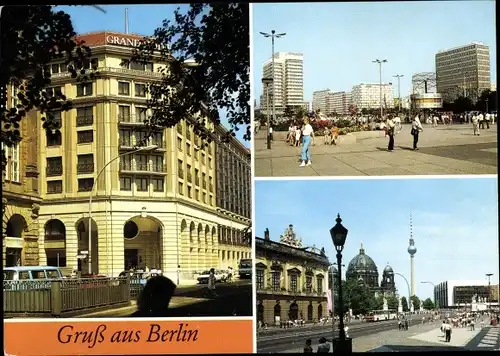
point(203, 158)
point(197, 194)
point(148, 67)
point(124, 113)
point(204, 180)
point(179, 144)
point(12, 169)
point(85, 163)
point(125, 138)
point(180, 187)
point(53, 138)
point(209, 163)
point(188, 149)
point(259, 279)
point(125, 184)
point(204, 197)
point(319, 281)
point(157, 139)
point(141, 162)
point(309, 282)
point(158, 184)
point(180, 170)
point(276, 279)
point(123, 88)
point(85, 116)
point(85, 184)
point(140, 137)
point(190, 192)
point(59, 68)
point(54, 166)
point(293, 282)
point(140, 90)
point(54, 92)
point(84, 89)
point(86, 136)
point(142, 184)
point(140, 114)
point(126, 163)
point(197, 176)
point(189, 176)
point(157, 163)
point(210, 185)
point(54, 187)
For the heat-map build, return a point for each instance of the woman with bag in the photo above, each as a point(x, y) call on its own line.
point(416, 128)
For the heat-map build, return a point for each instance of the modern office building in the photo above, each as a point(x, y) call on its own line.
point(339, 102)
point(367, 96)
point(456, 293)
point(158, 207)
point(320, 101)
point(21, 193)
point(290, 280)
point(423, 83)
point(463, 71)
point(288, 81)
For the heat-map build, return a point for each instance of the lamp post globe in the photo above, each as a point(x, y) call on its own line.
point(338, 234)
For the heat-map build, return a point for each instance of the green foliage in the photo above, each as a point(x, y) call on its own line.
point(487, 99)
point(416, 302)
point(31, 38)
point(428, 304)
point(289, 112)
point(392, 302)
point(358, 297)
point(404, 303)
point(378, 302)
point(215, 36)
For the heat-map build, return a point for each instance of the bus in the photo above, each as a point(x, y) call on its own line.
point(381, 315)
point(245, 268)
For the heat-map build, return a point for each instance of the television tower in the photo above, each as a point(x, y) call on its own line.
point(412, 250)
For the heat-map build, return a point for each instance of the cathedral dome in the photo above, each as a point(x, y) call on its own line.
point(388, 270)
point(361, 264)
point(332, 269)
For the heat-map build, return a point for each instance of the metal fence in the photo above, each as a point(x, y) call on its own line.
point(64, 296)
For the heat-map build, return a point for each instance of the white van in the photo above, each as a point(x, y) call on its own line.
point(21, 273)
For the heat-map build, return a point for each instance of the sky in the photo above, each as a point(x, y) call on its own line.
point(455, 224)
point(340, 40)
point(142, 20)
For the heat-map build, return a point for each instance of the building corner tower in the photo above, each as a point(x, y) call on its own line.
point(412, 250)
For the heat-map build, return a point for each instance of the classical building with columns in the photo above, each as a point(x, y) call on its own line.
point(291, 280)
point(154, 208)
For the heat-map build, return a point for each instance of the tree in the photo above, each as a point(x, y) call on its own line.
point(378, 302)
point(215, 36)
point(300, 113)
point(487, 100)
point(358, 297)
point(288, 113)
point(428, 304)
point(31, 38)
point(462, 104)
point(404, 303)
point(416, 302)
point(392, 302)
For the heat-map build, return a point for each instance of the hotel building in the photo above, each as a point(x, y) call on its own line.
point(288, 82)
point(367, 96)
point(463, 71)
point(177, 205)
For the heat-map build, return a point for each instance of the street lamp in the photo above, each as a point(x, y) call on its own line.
point(338, 233)
point(266, 82)
point(380, 61)
point(436, 302)
point(94, 185)
point(399, 76)
point(489, 289)
point(273, 35)
point(409, 291)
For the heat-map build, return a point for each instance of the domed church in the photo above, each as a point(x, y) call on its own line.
point(363, 268)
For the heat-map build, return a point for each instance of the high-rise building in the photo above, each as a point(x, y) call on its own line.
point(178, 205)
point(339, 102)
point(288, 81)
point(367, 96)
point(320, 101)
point(21, 192)
point(463, 71)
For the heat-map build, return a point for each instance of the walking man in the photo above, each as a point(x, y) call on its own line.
point(416, 128)
point(475, 124)
point(391, 130)
point(447, 331)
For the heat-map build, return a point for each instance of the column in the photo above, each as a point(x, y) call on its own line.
point(71, 245)
point(171, 245)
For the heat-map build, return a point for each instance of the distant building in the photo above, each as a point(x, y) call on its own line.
point(463, 71)
point(320, 101)
point(456, 293)
point(288, 81)
point(290, 280)
point(328, 102)
point(367, 96)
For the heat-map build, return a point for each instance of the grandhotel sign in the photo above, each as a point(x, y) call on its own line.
point(127, 42)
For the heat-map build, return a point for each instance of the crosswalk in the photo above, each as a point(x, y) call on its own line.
point(491, 339)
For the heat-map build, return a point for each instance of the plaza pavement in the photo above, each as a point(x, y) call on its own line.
point(445, 150)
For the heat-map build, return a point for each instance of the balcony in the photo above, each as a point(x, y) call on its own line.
point(85, 120)
point(53, 171)
point(129, 119)
point(143, 168)
point(110, 70)
point(85, 168)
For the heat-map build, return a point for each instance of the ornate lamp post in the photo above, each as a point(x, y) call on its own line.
point(267, 82)
point(342, 345)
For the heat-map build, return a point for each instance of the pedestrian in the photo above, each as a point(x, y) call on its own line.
point(391, 130)
point(447, 331)
point(307, 136)
point(475, 124)
point(434, 120)
point(308, 348)
point(155, 298)
point(211, 283)
point(480, 118)
point(487, 120)
point(271, 133)
point(406, 324)
point(416, 128)
point(443, 330)
point(229, 274)
point(324, 346)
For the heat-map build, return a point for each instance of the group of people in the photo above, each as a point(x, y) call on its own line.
point(301, 134)
point(393, 126)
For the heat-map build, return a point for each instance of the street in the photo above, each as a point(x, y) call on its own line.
point(232, 299)
point(444, 150)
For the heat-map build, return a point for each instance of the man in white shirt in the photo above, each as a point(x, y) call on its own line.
point(475, 124)
point(480, 118)
point(487, 120)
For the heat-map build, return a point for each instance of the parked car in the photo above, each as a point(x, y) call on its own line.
point(219, 277)
point(16, 278)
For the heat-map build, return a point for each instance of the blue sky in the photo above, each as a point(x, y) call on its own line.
point(142, 19)
point(455, 224)
point(340, 40)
